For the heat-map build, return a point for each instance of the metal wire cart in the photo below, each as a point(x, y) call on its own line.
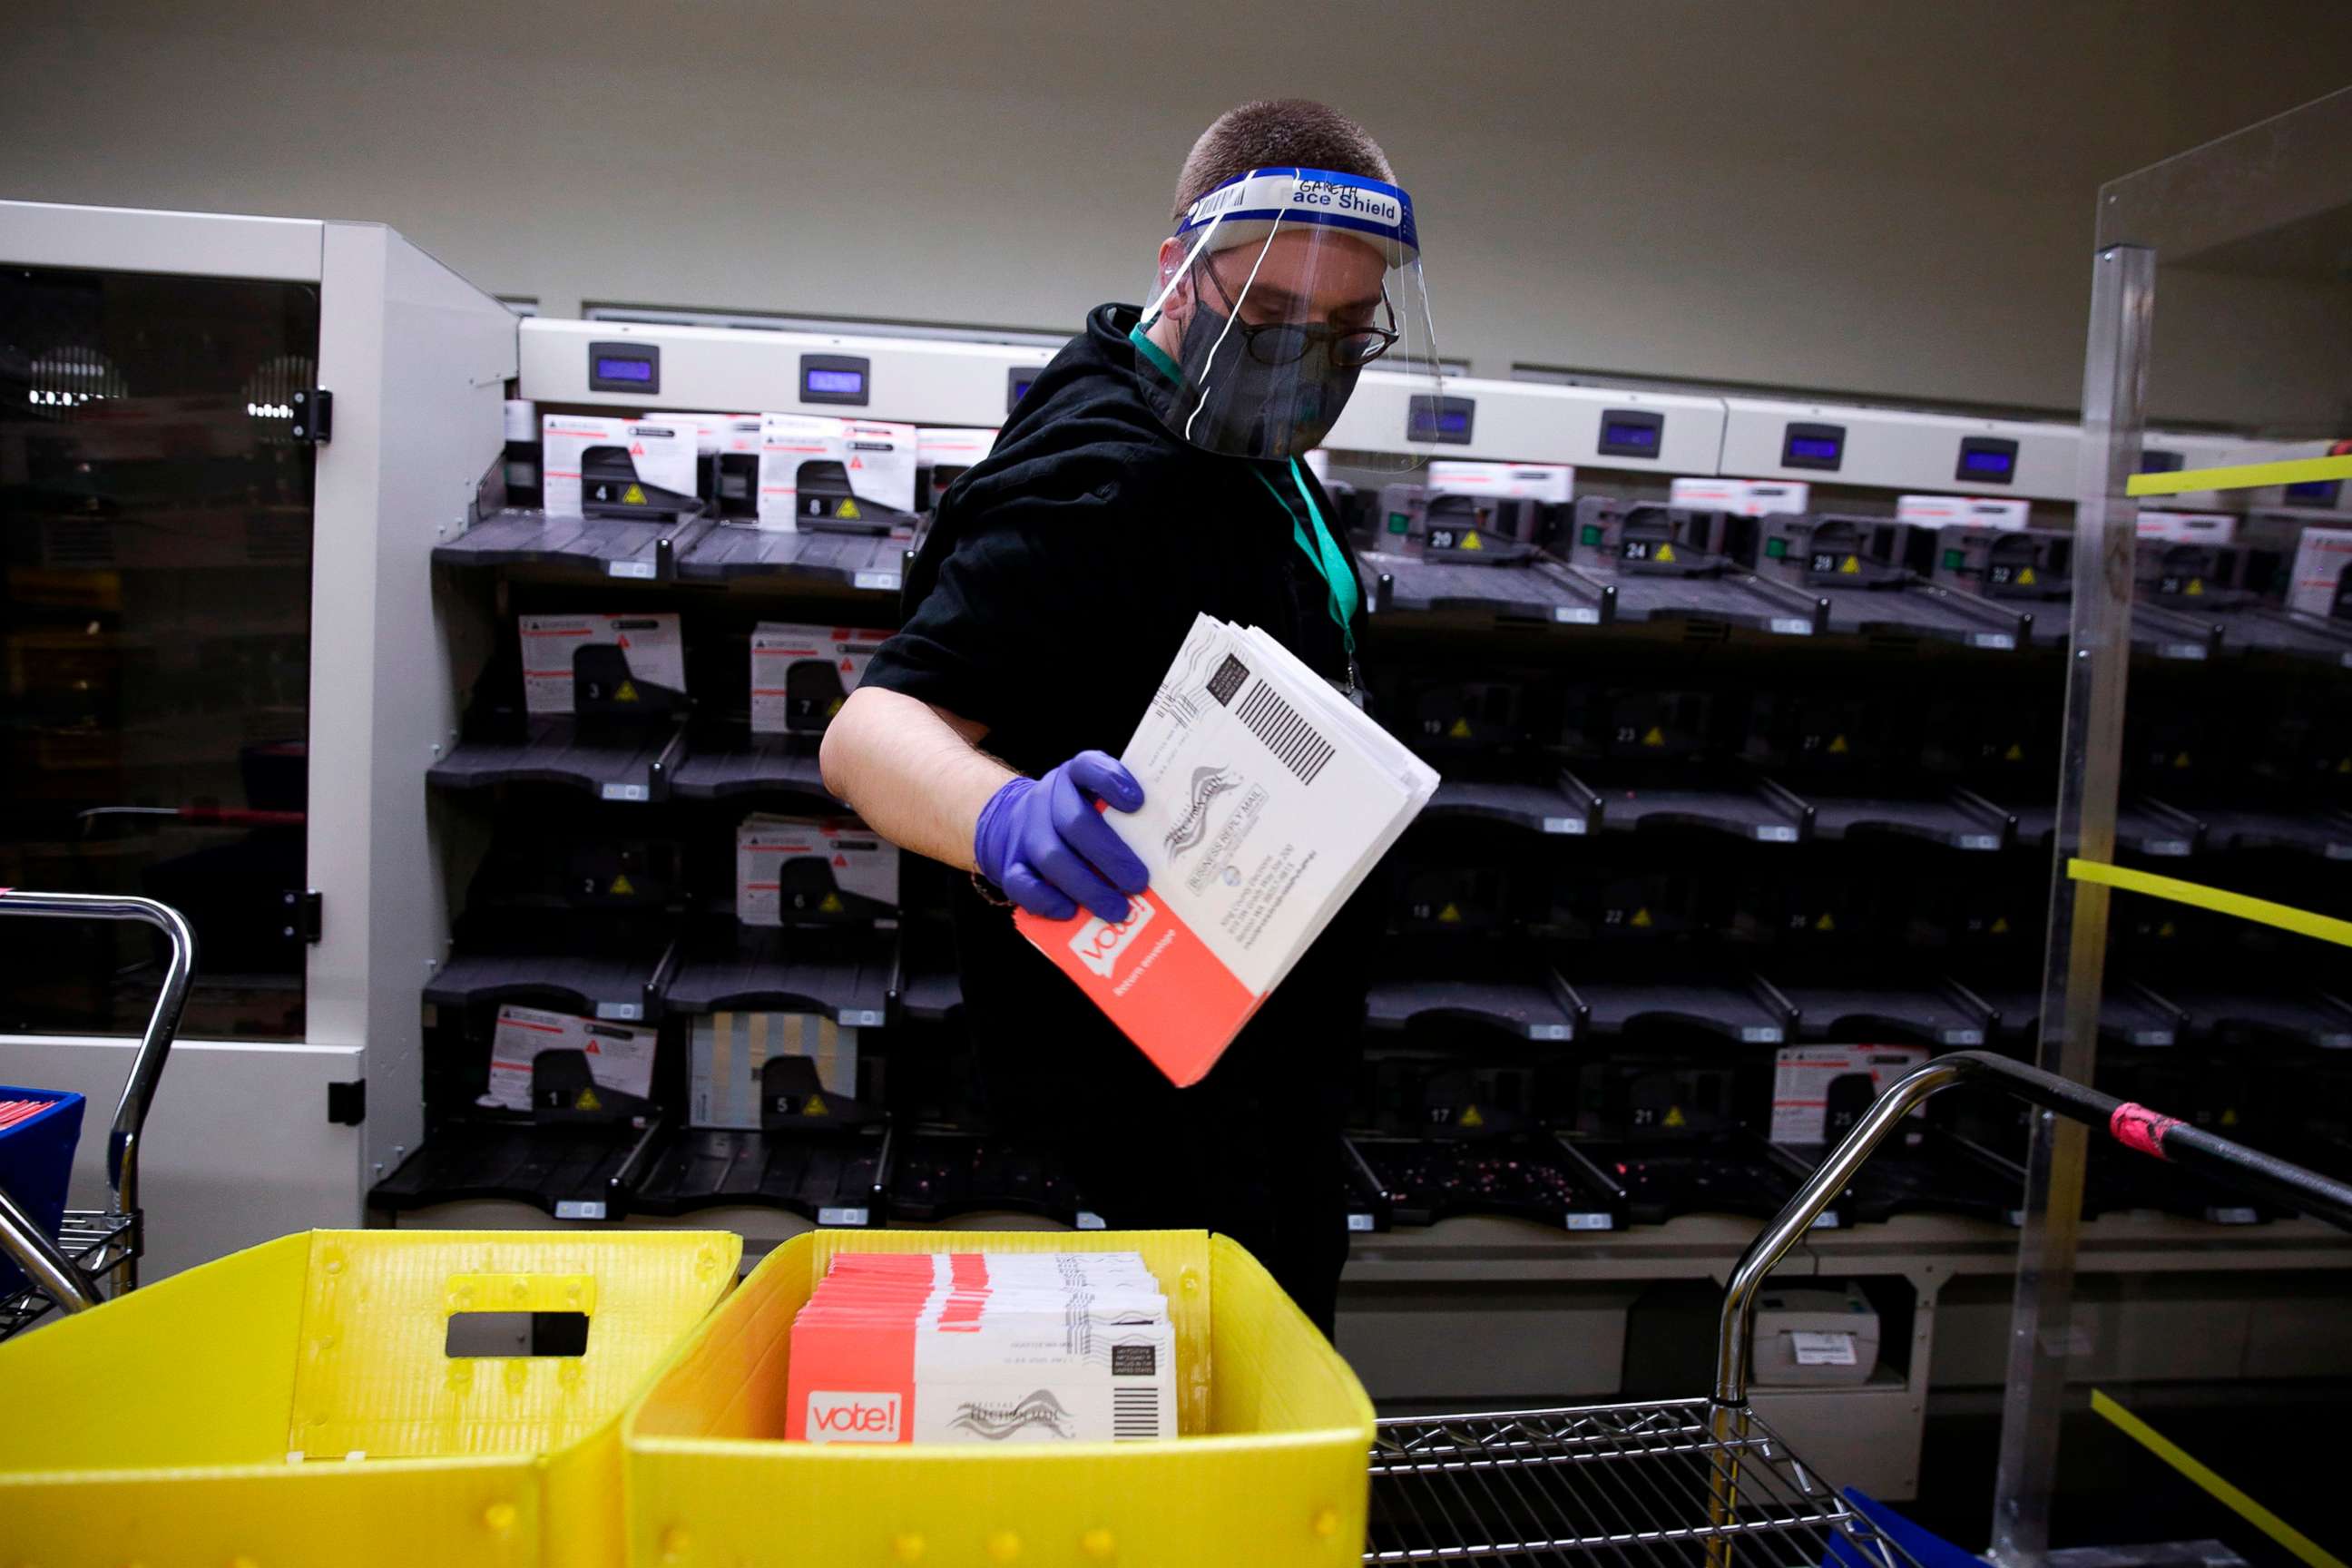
point(1705, 1480)
point(96, 1254)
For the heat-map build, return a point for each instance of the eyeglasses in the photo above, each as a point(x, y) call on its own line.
point(1287, 342)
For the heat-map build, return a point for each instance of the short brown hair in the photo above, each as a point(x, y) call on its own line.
point(1278, 132)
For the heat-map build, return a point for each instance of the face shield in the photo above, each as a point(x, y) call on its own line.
point(1278, 290)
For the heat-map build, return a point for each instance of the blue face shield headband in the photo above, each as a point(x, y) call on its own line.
point(1290, 283)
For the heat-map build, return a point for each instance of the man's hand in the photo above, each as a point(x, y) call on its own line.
point(1044, 842)
point(915, 774)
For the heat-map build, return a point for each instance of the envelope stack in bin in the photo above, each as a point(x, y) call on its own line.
point(985, 1348)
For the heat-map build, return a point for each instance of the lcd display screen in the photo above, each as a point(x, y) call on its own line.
point(1445, 419)
point(1819, 447)
point(625, 370)
point(837, 381)
point(2314, 493)
point(1617, 435)
point(1989, 465)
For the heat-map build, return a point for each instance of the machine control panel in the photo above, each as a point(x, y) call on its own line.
point(1632, 433)
point(624, 367)
point(1441, 421)
point(1814, 446)
point(1987, 460)
point(836, 378)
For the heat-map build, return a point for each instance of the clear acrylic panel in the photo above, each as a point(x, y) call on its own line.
point(156, 524)
point(2209, 744)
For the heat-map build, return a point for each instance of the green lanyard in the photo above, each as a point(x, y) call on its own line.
point(1324, 552)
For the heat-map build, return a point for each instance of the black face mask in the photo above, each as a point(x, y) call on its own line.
point(1247, 410)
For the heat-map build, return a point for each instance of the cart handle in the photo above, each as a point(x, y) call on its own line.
point(2136, 1127)
point(163, 1024)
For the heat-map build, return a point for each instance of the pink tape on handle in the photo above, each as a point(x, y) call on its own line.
point(2138, 1127)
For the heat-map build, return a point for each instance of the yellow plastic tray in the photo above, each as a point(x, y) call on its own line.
point(294, 1405)
point(1271, 1471)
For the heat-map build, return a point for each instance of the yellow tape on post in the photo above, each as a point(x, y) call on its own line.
point(2240, 476)
point(2237, 1502)
point(2325, 927)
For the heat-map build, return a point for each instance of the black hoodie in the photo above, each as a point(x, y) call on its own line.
point(1066, 566)
point(1052, 593)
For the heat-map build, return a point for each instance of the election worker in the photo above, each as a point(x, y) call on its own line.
point(1152, 473)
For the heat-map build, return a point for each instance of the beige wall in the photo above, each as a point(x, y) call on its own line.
point(1892, 196)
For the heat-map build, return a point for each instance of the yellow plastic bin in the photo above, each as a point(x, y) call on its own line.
point(295, 1404)
point(1271, 1468)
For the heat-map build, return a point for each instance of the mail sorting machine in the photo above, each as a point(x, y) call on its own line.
point(1718, 880)
point(1668, 772)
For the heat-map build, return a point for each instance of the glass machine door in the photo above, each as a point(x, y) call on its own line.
point(155, 526)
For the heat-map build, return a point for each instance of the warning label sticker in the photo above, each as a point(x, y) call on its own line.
point(651, 644)
point(1807, 1080)
point(619, 1056)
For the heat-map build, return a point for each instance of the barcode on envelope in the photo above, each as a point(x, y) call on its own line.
point(1134, 1414)
point(1291, 738)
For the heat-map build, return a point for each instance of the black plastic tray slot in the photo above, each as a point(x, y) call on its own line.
point(610, 763)
point(1933, 614)
point(1534, 1176)
point(617, 988)
point(937, 1174)
point(851, 977)
point(1540, 591)
point(2129, 1015)
point(1542, 1009)
point(1930, 1015)
point(874, 563)
point(628, 548)
point(1734, 599)
point(829, 1178)
point(1938, 1173)
point(1960, 820)
point(2303, 1017)
point(2262, 628)
point(744, 764)
point(2168, 633)
point(2319, 832)
point(1730, 1173)
point(1753, 1014)
point(1566, 808)
point(2143, 827)
point(566, 1172)
point(1765, 814)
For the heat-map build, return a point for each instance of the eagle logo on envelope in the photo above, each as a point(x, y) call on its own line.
point(998, 1422)
point(1268, 798)
point(1207, 785)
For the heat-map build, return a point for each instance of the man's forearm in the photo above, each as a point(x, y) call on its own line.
point(914, 772)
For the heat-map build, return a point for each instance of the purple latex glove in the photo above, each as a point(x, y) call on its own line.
point(1043, 843)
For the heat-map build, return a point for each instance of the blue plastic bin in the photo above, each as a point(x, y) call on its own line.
point(36, 1162)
